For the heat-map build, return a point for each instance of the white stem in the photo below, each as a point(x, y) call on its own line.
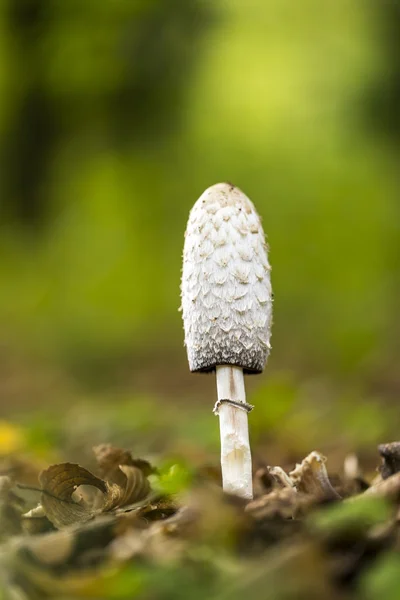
point(235, 446)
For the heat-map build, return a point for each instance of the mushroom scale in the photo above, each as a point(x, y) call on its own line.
point(226, 285)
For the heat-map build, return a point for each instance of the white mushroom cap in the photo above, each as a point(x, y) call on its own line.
point(226, 286)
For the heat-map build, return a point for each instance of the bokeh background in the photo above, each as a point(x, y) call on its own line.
point(115, 115)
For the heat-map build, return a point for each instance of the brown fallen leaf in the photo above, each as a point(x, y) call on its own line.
point(158, 509)
point(68, 496)
point(134, 487)
point(59, 482)
point(279, 503)
point(50, 549)
point(72, 547)
point(109, 459)
point(154, 544)
point(207, 515)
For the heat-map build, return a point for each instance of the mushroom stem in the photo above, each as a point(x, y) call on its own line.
point(235, 446)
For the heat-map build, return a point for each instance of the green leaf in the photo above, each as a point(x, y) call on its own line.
point(383, 581)
point(172, 479)
point(352, 515)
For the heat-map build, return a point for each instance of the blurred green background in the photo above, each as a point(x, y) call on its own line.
point(115, 116)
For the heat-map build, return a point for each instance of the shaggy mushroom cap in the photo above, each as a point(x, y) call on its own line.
point(226, 286)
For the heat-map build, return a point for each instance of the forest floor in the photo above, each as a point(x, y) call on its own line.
point(130, 529)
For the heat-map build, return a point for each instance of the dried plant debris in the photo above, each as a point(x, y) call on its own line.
point(311, 478)
point(106, 534)
point(388, 488)
point(109, 459)
point(390, 454)
point(72, 494)
point(59, 484)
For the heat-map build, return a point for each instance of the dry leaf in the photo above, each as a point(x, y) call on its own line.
point(73, 546)
point(159, 510)
point(52, 548)
point(311, 477)
point(110, 458)
point(61, 484)
point(134, 487)
point(281, 503)
point(200, 524)
point(280, 478)
point(154, 544)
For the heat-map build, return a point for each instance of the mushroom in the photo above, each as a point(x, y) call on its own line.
point(227, 314)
